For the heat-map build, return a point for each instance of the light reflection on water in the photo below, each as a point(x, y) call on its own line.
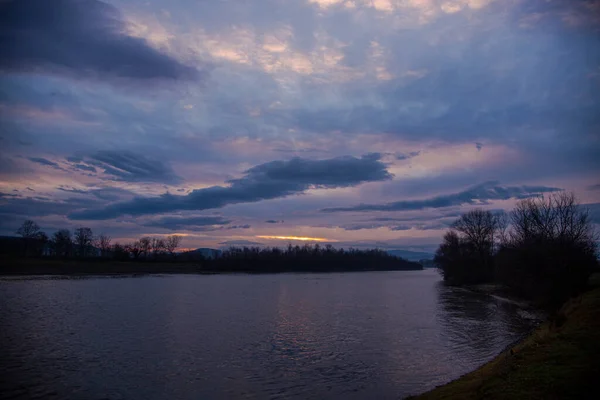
point(354, 335)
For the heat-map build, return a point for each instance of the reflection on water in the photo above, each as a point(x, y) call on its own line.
point(478, 324)
point(356, 335)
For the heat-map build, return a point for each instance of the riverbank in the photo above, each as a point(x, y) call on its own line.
point(53, 267)
point(73, 267)
point(559, 360)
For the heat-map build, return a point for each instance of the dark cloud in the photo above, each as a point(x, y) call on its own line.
point(421, 227)
point(107, 193)
point(406, 156)
point(200, 223)
point(40, 206)
point(266, 181)
point(81, 36)
point(245, 226)
point(594, 187)
point(127, 166)
point(432, 220)
point(242, 242)
point(479, 194)
point(44, 161)
point(302, 150)
point(111, 193)
point(84, 167)
point(71, 190)
point(274, 221)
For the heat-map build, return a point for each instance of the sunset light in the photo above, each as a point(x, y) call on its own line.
point(301, 238)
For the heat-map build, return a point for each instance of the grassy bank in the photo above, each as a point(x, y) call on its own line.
point(559, 360)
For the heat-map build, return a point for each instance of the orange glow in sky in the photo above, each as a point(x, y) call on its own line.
point(302, 238)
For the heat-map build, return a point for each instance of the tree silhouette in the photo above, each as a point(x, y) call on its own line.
point(103, 243)
point(172, 243)
point(29, 231)
point(83, 239)
point(62, 243)
point(466, 253)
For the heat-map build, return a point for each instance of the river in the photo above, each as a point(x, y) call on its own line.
point(363, 335)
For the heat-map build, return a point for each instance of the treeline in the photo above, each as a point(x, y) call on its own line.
point(309, 258)
point(545, 249)
point(82, 243)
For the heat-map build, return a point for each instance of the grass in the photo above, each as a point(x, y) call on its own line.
point(559, 360)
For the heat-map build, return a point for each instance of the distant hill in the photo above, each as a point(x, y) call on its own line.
point(411, 255)
point(205, 252)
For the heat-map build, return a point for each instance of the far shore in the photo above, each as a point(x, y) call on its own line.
point(52, 267)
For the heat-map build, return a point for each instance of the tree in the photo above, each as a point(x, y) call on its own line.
point(172, 243)
point(39, 242)
point(83, 238)
point(120, 252)
point(103, 243)
point(478, 227)
point(158, 247)
point(135, 249)
point(550, 250)
point(28, 231)
point(62, 243)
point(466, 254)
point(145, 244)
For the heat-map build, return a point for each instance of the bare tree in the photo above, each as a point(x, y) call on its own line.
point(120, 252)
point(28, 230)
point(556, 217)
point(551, 248)
point(478, 227)
point(83, 238)
point(62, 243)
point(467, 252)
point(502, 224)
point(145, 245)
point(135, 249)
point(103, 243)
point(172, 243)
point(158, 247)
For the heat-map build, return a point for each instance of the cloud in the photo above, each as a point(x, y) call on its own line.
point(40, 206)
point(84, 167)
point(266, 181)
point(479, 194)
point(44, 161)
point(593, 210)
point(274, 221)
point(245, 226)
point(81, 36)
point(241, 242)
point(105, 193)
point(200, 223)
point(71, 190)
point(406, 156)
point(128, 166)
point(594, 187)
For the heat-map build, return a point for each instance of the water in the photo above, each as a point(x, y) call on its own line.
point(367, 335)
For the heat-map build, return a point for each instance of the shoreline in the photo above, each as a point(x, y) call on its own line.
point(559, 359)
point(60, 268)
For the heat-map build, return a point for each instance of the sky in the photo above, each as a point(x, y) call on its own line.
point(365, 123)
